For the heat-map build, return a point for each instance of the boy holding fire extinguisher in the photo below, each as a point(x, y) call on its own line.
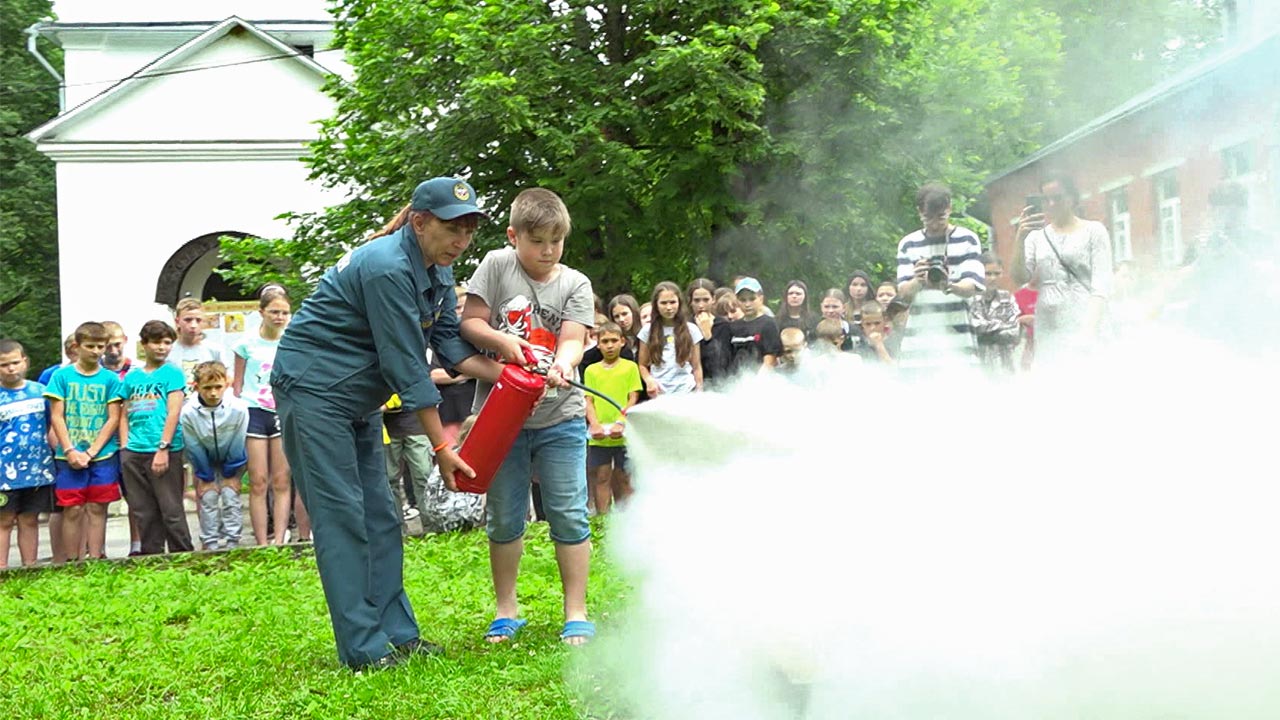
point(523, 293)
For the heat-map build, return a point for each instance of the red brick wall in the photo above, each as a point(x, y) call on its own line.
point(1233, 105)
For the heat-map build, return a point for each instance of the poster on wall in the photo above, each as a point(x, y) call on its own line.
point(227, 323)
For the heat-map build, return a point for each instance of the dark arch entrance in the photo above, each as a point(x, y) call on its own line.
point(222, 289)
point(190, 270)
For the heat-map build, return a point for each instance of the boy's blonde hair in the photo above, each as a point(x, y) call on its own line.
point(187, 304)
point(538, 208)
point(792, 333)
point(872, 308)
point(829, 329)
point(209, 370)
point(114, 328)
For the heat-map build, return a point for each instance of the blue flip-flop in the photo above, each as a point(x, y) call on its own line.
point(505, 627)
point(578, 628)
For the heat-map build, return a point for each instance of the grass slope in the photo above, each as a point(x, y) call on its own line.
point(246, 635)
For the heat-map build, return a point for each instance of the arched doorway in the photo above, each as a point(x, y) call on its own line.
point(191, 272)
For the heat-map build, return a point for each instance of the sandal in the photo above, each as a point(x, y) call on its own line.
point(505, 628)
point(578, 629)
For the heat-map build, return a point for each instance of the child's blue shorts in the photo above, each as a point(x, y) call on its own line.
point(558, 456)
point(98, 483)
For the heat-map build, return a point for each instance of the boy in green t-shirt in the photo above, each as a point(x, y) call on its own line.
point(619, 379)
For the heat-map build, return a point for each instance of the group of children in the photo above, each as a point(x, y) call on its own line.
point(103, 427)
point(683, 341)
point(115, 428)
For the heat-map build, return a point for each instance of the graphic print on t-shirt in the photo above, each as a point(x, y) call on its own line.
point(516, 317)
point(25, 459)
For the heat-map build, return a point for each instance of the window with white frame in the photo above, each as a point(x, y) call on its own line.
point(1118, 211)
point(1239, 165)
point(1169, 217)
point(1237, 161)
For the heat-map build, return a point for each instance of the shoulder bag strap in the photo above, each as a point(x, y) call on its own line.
point(1049, 239)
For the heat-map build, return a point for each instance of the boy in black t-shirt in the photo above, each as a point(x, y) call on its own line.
point(753, 342)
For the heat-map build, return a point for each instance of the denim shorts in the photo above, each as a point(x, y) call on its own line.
point(558, 456)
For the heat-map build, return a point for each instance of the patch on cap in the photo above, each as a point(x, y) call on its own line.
point(461, 191)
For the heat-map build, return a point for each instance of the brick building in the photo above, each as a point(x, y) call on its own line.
point(1146, 168)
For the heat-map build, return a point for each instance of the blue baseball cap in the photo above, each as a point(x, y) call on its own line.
point(748, 283)
point(447, 198)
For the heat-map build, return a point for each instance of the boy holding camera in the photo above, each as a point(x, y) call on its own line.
point(939, 267)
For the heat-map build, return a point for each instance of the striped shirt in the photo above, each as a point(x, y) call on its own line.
point(938, 334)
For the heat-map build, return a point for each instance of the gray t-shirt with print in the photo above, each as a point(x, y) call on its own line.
point(186, 358)
point(534, 311)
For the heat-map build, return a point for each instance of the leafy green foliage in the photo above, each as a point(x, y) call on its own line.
point(715, 137)
point(718, 136)
point(28, 218)
point(1112, 51)
point(246, 635)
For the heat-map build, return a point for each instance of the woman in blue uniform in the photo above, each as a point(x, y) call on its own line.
point(360, 337)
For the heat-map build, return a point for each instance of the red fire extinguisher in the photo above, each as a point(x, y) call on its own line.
point(509, 405)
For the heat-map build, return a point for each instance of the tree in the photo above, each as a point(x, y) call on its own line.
point(1112, 51)
point(697, 137)
point(28, 218)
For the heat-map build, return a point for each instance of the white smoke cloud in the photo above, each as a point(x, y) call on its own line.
point(1096, 542)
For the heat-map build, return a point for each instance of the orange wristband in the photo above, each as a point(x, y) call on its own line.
point(440, 447)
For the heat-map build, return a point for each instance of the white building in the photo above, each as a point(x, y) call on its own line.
point(182, 122)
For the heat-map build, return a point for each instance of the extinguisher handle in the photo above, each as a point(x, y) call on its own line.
point(529, 357)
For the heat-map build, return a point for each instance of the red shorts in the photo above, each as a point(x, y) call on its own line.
point(98, 483)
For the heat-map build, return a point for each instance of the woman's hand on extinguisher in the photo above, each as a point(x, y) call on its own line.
point(449, 461)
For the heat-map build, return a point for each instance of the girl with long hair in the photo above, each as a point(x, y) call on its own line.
point(670, 353)
point(625, 311)
point(794, 311)
point(860, 290)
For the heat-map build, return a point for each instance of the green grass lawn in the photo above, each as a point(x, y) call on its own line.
point(246, 635)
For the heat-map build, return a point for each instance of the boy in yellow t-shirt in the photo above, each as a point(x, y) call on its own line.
point(619, 379)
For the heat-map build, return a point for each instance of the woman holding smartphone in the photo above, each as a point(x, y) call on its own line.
point(1068, 260)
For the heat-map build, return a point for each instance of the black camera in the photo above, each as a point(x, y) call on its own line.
point(937, 275)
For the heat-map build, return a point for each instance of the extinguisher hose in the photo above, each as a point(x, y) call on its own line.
point(597, 393)
point(584, 388)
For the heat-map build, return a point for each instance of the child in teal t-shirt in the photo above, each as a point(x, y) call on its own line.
point(145, 392)
point(619, 379)
point(151, 460)
point(84, 410)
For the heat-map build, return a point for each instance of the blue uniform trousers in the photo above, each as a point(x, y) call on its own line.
point(341, 476)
